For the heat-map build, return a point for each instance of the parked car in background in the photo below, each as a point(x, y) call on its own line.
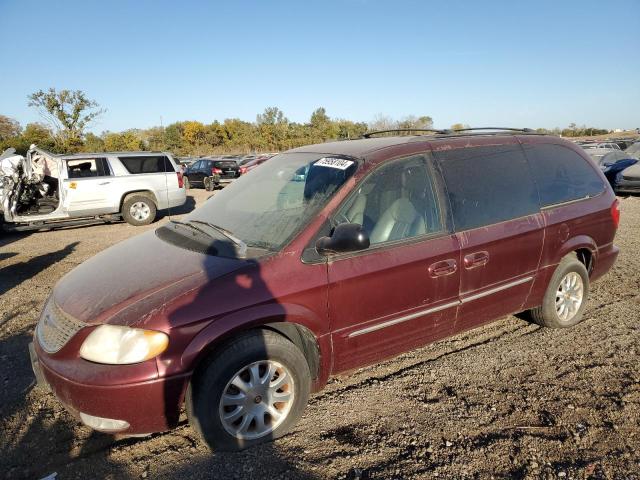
point(633, 149)
point(246, 159)
point(327, 258)
point(46, 190)
point(597, 150)
point(622, 170)
point(211, 173)
point(259, 160)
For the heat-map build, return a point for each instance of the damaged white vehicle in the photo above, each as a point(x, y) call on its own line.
point(43, 190)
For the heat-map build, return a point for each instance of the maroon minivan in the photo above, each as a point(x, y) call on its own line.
point(326, 258)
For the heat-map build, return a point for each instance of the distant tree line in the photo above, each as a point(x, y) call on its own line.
point(68, 114)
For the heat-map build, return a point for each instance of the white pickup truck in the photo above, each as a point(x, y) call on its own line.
point(43, 190)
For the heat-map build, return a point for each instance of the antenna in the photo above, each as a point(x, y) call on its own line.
point(166, 181)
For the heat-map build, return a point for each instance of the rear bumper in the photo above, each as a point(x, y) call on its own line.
point(605, 259)
point(175, 198)
point(150, 406)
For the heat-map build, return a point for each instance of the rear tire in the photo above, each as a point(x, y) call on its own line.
point(139, 209)
point(252, 390)
point(564, 301)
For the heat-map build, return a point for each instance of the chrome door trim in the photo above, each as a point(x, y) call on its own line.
point(402, 319)
point(497, 289)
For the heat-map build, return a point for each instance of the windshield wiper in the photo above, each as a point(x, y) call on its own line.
point(193, 227)
point(239, 243)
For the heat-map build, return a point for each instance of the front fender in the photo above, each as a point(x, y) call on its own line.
point(225, 327)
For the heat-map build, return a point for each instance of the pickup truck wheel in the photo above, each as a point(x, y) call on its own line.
point(139, 210)
point(186, 183)
point(253, 390)
point(566, 296)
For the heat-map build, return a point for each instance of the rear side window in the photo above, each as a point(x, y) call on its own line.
point(147, 164)
point(488, 185)
point(561, 174)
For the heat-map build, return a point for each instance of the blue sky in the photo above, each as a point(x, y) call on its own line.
point(536, 64)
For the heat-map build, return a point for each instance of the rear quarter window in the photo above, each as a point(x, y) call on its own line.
point(487, 185)
point(147, 164)
point(561, 174)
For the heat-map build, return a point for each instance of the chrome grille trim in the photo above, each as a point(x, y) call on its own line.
point(56, 328)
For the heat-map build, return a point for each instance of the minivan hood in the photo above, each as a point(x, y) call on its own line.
point(130, 280)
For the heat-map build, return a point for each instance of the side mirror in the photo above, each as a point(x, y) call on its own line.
point(346, 237)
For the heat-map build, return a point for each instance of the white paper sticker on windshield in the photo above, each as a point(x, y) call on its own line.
point(339, 163)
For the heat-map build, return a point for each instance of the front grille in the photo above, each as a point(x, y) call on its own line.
point(56, 328)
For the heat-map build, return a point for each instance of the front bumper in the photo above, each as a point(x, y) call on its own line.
point(149, 406)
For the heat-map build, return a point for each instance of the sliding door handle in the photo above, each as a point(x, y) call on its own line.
point(476, 259)
point(445, 267)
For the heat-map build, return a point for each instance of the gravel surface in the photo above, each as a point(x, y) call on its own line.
point(508, 400)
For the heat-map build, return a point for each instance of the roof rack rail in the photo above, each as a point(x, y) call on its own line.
point(523, 130)
point(396, 130)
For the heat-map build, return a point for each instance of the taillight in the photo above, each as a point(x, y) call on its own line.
point(215, 170)
point(243, 170)
point(180, 180)
point(615, 212)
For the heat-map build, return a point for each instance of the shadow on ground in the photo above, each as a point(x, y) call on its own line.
point(13, 275)
point(188, 206)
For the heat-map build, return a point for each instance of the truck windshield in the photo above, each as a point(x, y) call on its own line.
point(268, 206)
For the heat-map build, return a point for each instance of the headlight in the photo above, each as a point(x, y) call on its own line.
point(121, 345)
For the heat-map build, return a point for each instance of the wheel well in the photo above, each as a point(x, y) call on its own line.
point(585, 256)
point(300, 336)
point(303, 338)
point(146, 193)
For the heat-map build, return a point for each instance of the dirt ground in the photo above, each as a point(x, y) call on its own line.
point(508, 400)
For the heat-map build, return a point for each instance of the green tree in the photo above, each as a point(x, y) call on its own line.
point(348, 129)
point(273, 128)
point(124, 141)
point(9, 128)
point(194, 133)
point(38, 134)
point(68, 112)
point(173, 140)
point(411, 121)
point(322, 128)
point(153, 138)
point(93, 143)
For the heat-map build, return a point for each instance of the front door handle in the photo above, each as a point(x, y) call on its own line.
point(445, 267)
point(476, 259)
point(104, 183)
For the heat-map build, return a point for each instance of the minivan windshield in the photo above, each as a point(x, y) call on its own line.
point(267, 206)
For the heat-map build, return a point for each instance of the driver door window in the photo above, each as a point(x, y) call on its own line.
point(396, 202)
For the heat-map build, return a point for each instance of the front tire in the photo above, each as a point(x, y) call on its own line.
point(566, 296)
point(252, 390)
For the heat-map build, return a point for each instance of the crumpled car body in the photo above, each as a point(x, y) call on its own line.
point(29, 185)
point(622, 170)
point(44, 190)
